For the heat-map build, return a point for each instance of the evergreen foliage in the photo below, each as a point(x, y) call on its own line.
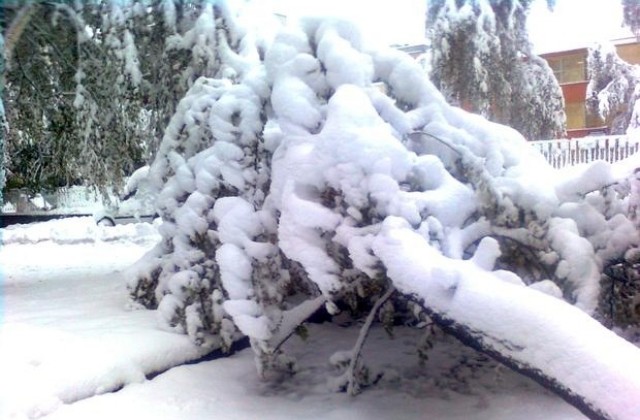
point(612, 92)
point(482, 60)
point(92, 85)
point(39, 100)
point(289, 182)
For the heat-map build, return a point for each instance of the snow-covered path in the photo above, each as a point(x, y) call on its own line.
point(65, 333)
point(66, 340)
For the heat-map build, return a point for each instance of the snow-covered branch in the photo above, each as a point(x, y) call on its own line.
point(292, 181)
point(560, 347)
point(353, 387)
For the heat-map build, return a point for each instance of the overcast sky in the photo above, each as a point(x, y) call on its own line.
point(573, 23)
point(400, 21)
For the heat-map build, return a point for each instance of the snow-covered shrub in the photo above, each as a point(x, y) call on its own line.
point(211, 169)
point(620, 298)
point(297, 184)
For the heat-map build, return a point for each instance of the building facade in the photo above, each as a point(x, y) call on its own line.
point(570, 69)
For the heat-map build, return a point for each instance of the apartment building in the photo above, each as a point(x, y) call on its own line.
point(570, 68)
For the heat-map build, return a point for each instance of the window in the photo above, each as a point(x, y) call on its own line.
point(569, 68)
point(576, 115)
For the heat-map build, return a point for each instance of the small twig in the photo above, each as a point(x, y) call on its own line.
point(439, 140)
point(364, 332)
point(294, 317)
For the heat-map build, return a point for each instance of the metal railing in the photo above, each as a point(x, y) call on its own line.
point(564, 152)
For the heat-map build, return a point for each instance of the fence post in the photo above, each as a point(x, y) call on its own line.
point(563, 152)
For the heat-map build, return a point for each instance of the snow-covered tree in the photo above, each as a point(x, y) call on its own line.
point(482, 60)
point(613, 89)
point(631, 15)
point(51, 143)
point(36, 84)
point(2, 118)
point(92, 85)
point(290, 183)
point(110, 119)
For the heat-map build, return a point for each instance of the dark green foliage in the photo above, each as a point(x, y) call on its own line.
point(620, 298)
point(2, 116)
point(482, 60)
point(38, 99)
point(91, 87)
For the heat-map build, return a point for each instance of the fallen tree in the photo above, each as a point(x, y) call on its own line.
point(314, 172)
point(530, 332)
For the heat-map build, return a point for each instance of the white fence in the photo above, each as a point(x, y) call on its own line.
point(565, 152)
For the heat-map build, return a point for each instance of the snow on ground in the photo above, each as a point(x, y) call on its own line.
point(78, 230)
point(65, 333)
point(229, 389)
point(67, 340)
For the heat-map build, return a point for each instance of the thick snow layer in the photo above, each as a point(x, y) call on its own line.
point(77, 230)
point(465, 293)
point(576, 181)
point(66, 337)
point(65, 333)
point(227, 389)
point(577, 263)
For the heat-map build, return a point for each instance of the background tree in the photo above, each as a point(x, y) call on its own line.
point(92, 86)
point(38, 96)
point(612, 92)
point(481, 59)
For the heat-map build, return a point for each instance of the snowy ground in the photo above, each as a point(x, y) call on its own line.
point(67, 342)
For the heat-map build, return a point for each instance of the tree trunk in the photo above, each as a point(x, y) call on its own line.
point(540, 336)
point(477, 340)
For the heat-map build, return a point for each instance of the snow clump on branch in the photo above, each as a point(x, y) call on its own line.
point(281, 187)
